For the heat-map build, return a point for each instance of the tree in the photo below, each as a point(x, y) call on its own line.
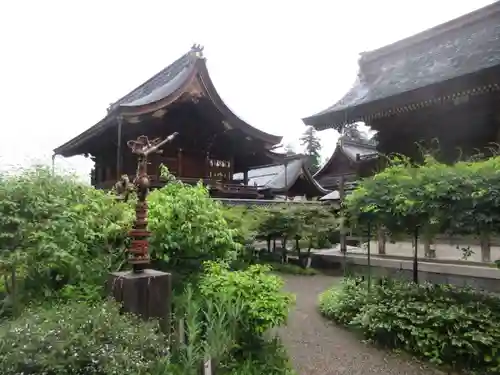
point(353, 133)
point(312, 146)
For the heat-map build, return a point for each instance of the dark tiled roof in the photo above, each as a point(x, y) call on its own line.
point(355, 151)
point(457, 48)
point(162, 85)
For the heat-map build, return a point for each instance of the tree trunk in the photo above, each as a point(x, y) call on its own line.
point(381, 240)
point(429, 252)
point(485, 247)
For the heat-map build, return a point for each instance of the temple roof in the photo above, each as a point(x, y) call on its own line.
point(279, 178)
point(188, 75)
point(355, 151)
point(463, 46)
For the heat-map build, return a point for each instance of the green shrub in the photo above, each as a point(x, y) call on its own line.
point(212, 328)
point(270, 359)
point(343, 302)
point(57, 232)
point(447, 325)
point(265, 304)
point(80, 339)
point(188, 228)
point(459, 198)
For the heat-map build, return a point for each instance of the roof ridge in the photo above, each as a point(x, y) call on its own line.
point(196, 52)
point(440, 29)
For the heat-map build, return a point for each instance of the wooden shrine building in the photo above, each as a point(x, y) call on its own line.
point(350, 160)
point(213, 143)
point(441, 84)
point(291, 178)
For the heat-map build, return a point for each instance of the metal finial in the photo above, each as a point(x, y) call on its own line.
point(197, 50)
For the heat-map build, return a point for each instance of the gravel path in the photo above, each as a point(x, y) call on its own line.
point(317, 347)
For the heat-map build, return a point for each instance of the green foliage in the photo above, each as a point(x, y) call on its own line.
point(216, 327)
point(305, 221)
point(265, 304)
point(343, 302)
point(444, 324)
point(60, 238)
point(461, 198)
point(311, 142)
point(57, 235)
point(77, 338)
point(189, 228)
point(270, 359)
point(246, 222)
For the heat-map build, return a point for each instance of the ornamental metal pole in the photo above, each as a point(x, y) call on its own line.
point(369, 256)
point(138, 254)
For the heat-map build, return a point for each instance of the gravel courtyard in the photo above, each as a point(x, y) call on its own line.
point(317, 347)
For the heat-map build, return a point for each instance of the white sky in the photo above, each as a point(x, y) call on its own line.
point(273, 62)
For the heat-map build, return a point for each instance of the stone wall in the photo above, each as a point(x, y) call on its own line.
point(479, 277)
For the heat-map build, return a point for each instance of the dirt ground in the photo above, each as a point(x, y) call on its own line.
point(318, 347)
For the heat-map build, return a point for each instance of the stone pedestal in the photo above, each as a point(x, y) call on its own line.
point(147, 294)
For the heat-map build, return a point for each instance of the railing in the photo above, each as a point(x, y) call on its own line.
point(226, 187)
point(262, 202)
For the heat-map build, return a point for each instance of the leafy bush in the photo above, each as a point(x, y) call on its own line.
point(343, 302)
point(246, 222)
point(446, 325)
point(460, 198)
point(265, 304)
point(57, 232)
point(213, 328)
point(81, 339)
point(188, 228)
point(270, 359)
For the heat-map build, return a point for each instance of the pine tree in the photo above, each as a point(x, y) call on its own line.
point(312, 146)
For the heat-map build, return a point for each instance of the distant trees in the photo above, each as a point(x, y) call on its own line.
point(312, 147)
point(353, 133)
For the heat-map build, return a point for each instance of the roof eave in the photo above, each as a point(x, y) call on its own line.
point(67, 149)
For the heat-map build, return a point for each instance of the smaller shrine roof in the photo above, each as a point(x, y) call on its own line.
point(355, 151)
point(279, 178)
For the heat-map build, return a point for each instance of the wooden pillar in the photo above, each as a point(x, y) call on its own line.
point(429, 252)
point(381, 240)
point(245, 177)
point(485, 247)
point(207, 165)
point(231, 168)
point(343, 245)
point(119, 150)
point(109, 174)
point(179, 163)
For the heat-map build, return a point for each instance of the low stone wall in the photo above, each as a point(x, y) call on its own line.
point(478, 277)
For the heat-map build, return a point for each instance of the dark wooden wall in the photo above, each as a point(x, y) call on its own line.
point(450, 131)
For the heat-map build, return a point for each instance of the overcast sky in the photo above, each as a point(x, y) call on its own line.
point(273, 62)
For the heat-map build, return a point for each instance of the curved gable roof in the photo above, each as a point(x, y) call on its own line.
point(161, 90)
point(355, 151)
point(458, 48)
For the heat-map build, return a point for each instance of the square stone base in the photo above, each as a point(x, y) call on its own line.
point(147, 294)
